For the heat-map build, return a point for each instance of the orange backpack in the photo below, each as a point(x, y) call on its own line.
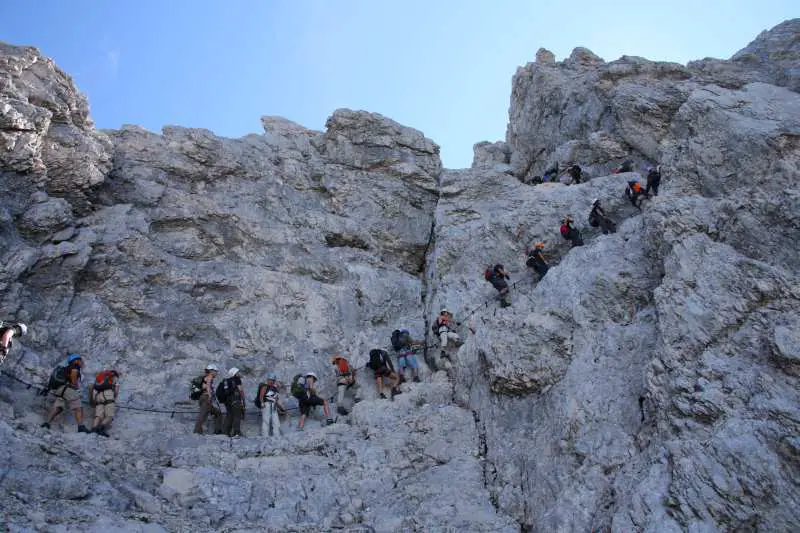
point(343, 366)
point(104, 380)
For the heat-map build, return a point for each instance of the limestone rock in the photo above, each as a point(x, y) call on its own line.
point(488, 154)
point(543, 55)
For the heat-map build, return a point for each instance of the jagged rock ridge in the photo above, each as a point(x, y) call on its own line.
point(648, 383)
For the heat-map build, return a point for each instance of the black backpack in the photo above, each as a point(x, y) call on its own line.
point(196, 388)
point(224, 390)
point(58, 378)
point(257, 400)
point(377, 359)
point(397, 340)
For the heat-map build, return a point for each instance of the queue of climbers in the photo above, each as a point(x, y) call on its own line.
point(66, 379)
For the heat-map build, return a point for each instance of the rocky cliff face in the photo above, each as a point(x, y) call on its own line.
point(647, 383)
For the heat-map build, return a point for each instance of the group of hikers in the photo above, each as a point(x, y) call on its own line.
point(66, 380)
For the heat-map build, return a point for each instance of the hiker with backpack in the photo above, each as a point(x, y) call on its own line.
point(536, 259)
point(598, 217)
point(653, 180)
point(570, 232)
point(9, 330)
point(382, 368)
point(575, 172)
point(103, 395)
point(268, 401)
point(304, 388)
point(443, 327)
point(202, 390)
point(231, 393)
point(406, 356)
point(65, 382)
point(497, 276)
point(345, 379)
point(635, 193)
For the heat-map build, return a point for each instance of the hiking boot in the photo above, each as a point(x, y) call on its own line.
point(416, 379)
point(383, 396)
point(82, 429)
point(45, 425)
point(331, 421)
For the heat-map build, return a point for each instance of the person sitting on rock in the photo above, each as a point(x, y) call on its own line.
point(345, 379)
point(653, 180)
point(575, 172)
point(234, 403)
point(570, 232)
point(271, 407)
point(104, 393)
point(208, 402)
point(382, 367)
point(8, 330)
point(635, 193)
point(309, 399)
point(406, 356)
point(598, 217)
point(497, 276)
point(536, 260)
point(66, 381)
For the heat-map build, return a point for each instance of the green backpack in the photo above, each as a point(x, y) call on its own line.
point(297, 389)
point(196, 388)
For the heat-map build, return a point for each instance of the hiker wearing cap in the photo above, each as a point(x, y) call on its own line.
point(305, 390)
point(65, 382)
point(268, 401)
point(103, 395)
point(231, 393)
point(207, 401)
point(444, 328)
point(345, 379)
point(9, 330)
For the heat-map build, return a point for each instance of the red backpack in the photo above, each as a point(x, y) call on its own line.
point(564, 230)
point(104, 380)
point(488, 273)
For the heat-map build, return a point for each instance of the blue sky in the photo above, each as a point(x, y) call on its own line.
point(443, 67)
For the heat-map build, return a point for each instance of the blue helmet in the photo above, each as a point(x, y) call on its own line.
point(272, 376)
point(71, 358)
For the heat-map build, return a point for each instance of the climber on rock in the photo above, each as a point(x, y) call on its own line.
point(345, 380)
point(382, 367)
point(305, 390)
point(9, 330)
point(65, 382)
point(207, 401)
point(653, 180)
point(103, 394)
point(405, 347)
point(536, 259)
point(231, 393)
point(570, 232)
point(635, 193)
point(268, 400)
point(444, 328)
point(497, 276)
point(575, 172)
point(598, 217)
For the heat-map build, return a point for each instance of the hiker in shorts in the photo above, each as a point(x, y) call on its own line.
point(9, 330)
point(271, 407)
point(406, 356)
point(345, 380)
point(208, 403)
point(234, 404)
point(382, 369)
point(104, 393)
point(444, 327)
point(498, 277)
point(68, 393)
point(309, 399)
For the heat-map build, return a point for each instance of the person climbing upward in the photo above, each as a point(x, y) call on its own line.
point(635, 193)
point(382, 367)
point(444, 328)
point(308, 399)
point(497, 276)
point(405, 347)
point(104, 393)
point(536, 259)
point(207, 401)
point(653, 180)
point(345, 380)
point(570, 232)
point(9, 330)
point(598, 217)
point(65, 382)
point(575, 172)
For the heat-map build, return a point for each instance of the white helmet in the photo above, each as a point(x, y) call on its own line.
point(212, 366)
point(311, 375)
point(443, 311)
point(23, 328)
point(595, 202)
point(232, 372)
